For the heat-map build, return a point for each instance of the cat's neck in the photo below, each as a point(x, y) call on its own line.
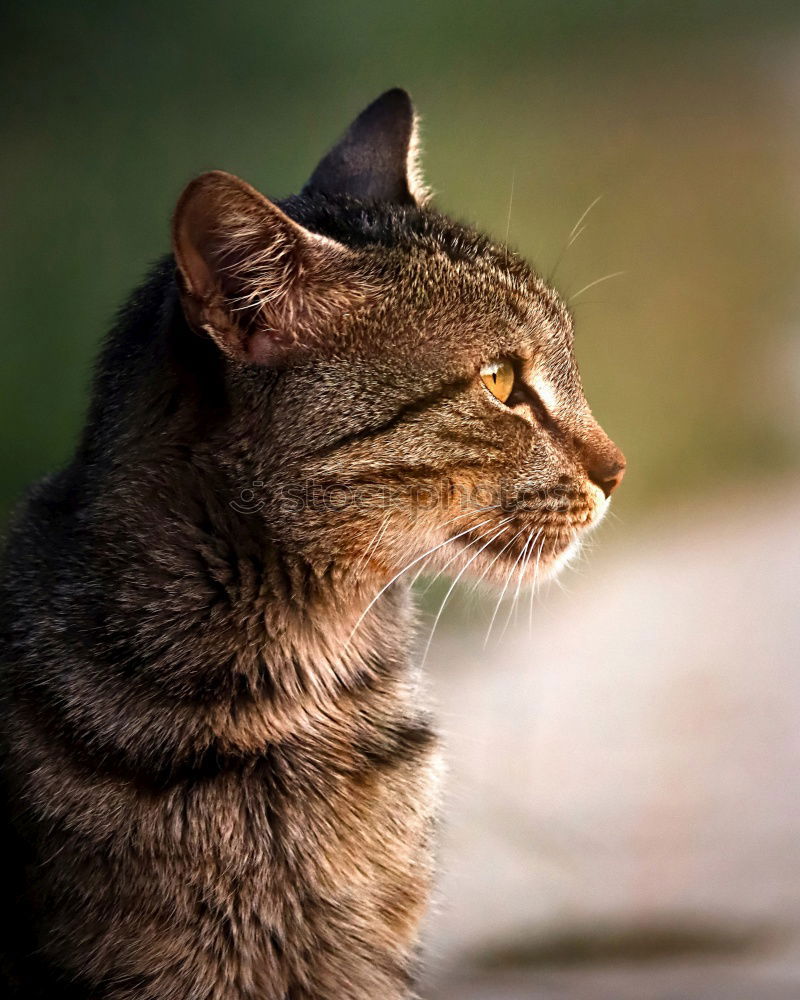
point(223, 634)
point(248, 643)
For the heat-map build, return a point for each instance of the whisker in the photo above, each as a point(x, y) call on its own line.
point(521, 560)
point(453, 558)
point(486, 568)
point(505, 587)
point(510, 203)
point(405, 569)
point(576, 236)
point(592, 284)
point(529, 547)
point(423, 567)
point(534, 585)
point(574, 233)
point(373, 544)
point(475, 510)
point(455, 581)
point(577, 225)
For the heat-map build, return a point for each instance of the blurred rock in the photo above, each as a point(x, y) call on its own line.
point(632, 761)
point(669, 981)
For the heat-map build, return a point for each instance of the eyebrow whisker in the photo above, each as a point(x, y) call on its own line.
point(592, 284)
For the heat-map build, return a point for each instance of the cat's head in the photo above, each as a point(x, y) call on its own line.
point(395, 379)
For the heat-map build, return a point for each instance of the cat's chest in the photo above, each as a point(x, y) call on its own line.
point(324, 808)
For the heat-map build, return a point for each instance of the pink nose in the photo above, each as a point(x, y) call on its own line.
point(602, 460)
point(609, 476)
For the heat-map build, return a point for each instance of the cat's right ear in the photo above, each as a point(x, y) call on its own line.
point(262, 286)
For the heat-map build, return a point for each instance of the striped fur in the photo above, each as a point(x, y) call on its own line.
point(219, 775)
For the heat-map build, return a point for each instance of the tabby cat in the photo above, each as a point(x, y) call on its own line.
point(219, 782)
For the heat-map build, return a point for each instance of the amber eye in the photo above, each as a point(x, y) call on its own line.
point(498, 377)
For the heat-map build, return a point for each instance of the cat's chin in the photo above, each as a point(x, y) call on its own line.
point(563, 559)
point(560, 557)
point(530, 558)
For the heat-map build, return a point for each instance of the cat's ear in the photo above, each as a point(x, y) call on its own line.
point(259, 283)
point(376, 159)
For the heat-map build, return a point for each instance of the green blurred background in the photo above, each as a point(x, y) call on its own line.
point(643, 738)
point(683, 117)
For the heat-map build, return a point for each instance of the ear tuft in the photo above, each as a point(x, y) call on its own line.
point(377, 158)
point(257, 282)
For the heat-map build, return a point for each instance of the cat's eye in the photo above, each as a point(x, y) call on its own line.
point(498, 377)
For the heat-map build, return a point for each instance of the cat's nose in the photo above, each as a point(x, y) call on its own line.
point(608, 476)
point(603, 461)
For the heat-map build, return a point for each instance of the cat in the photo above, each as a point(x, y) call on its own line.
point(219, 776)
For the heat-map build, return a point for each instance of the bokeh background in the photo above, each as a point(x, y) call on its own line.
point(622, 814)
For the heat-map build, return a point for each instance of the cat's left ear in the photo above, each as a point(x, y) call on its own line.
point(261, 285)
point(376, 159)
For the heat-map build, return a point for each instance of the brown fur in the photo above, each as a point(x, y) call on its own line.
point(220, 780)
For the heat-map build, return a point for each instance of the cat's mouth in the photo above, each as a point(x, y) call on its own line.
point(528, 552)
point(529, 546)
